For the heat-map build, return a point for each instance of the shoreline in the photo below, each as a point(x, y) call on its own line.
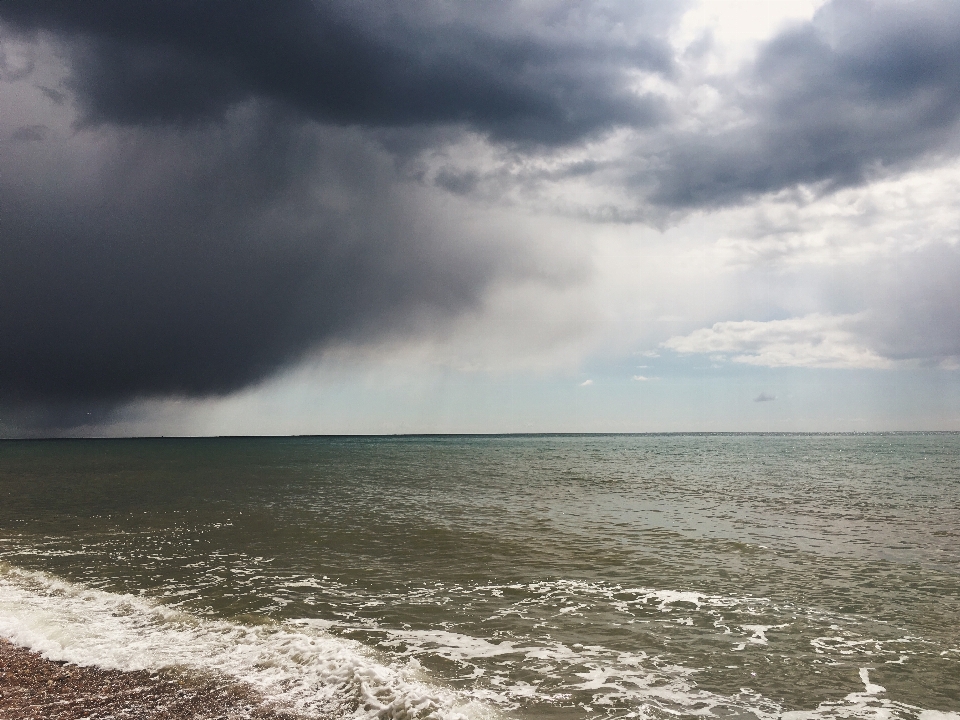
point(35, 688)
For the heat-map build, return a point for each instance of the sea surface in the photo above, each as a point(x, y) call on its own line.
point(647, 576)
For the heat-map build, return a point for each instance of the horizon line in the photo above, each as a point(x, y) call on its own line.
point(651, 433)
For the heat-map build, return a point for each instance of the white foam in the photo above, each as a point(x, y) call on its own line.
point(303, 669)
point(302, 665)
point(669, 597)
point(451, 645)
point(759, 636)
point(869, 687)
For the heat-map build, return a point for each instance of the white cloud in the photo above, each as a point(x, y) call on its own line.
point(586, 383)
point(895, 216)
point(736, 27)
point(815, 340)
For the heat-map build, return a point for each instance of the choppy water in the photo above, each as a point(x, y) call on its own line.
point(767, 576)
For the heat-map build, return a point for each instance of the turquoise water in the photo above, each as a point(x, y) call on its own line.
point(797, 576)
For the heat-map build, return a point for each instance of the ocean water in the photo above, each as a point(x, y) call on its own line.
point(672, 576)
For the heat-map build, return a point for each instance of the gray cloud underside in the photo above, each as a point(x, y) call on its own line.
point(198, 262)
point(865, 87)
point(226, 226)
point(371, 64)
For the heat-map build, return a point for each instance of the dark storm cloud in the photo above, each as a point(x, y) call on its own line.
point(197, 262)
point(377, 64)
point(865, 87)
point(28, 133)
point(209, 223)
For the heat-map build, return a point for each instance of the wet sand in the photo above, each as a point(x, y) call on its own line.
point(34, 688)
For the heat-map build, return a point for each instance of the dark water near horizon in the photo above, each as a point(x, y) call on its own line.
point(647, 576)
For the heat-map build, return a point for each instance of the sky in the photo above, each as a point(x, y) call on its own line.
point(347, 217)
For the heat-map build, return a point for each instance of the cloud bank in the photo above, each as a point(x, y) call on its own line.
point(200, 261)
point(812, 341)
point(864, 88)
point(495, 67)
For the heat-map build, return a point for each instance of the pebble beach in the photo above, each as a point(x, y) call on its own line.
point(34, 688)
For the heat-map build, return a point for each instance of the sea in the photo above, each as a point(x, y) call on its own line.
point(736, 576)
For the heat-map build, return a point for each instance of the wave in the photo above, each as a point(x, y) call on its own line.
point(308, 667)
point(303, 670)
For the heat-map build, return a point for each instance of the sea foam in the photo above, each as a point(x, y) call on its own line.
point(299, 665)
point(301, 669)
